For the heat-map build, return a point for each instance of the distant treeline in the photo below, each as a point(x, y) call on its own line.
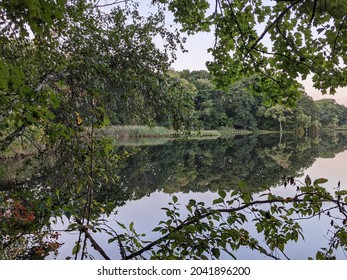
point(242, 108)
point(239, 108)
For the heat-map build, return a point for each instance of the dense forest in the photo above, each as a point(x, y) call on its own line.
point(241, 107)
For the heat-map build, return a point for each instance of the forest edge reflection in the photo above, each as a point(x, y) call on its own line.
point(251, 162)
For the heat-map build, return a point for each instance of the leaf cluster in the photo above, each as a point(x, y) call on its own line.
point(206, 232)
point(279, 41)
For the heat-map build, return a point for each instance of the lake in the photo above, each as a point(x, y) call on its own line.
point(150, 175)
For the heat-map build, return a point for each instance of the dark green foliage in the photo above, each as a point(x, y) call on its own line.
point(245, 107)
point(94, 69)
point(330, 113)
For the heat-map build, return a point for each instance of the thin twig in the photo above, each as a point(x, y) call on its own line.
point(120, 244)
point(313, 13)
point(95, 244)
point(109, 4)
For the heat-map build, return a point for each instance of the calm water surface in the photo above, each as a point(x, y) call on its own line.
point(198, 169)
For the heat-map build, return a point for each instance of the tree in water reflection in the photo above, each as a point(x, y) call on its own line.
point(86, 184)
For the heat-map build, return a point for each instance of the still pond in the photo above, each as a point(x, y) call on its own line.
point(153, 173)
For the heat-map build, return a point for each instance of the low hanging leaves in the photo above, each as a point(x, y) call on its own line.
point(76, 249)
point(320, 181)
point(308, 181)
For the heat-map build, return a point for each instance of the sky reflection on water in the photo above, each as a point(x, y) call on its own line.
point(145, 213)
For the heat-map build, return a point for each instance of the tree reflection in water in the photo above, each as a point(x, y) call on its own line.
point(71, 186)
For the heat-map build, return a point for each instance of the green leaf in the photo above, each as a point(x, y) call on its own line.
point(191, 202)
point(319, 255)
point(247, 197)
point(308, 181)
point(215, 252)
point(218, 200)
point(111, 240)
point(320, 181)
point(76, 249)
point(222, 194)
point(174, 199)
point(72, 227)
point(121, 225)
point(157, 229)
point(260, 227)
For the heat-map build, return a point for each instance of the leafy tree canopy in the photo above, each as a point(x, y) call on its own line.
point(280, 41)
point(81, 65)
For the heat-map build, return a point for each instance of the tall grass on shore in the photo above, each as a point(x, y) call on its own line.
point(138, 131)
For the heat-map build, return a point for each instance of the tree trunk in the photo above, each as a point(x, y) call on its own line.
point(280, 132)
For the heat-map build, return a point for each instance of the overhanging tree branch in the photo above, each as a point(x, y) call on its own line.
point(195, 219)
point(271, 25)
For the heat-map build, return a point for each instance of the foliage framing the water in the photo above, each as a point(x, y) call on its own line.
point(61, 80)
point(205, 232)
point(29, 210)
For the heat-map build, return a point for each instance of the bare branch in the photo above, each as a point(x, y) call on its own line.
point(110, 4)
point(95, 244)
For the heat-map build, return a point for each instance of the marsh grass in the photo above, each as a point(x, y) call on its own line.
point(139, 131)
point(136, 131)
point(205, 134)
